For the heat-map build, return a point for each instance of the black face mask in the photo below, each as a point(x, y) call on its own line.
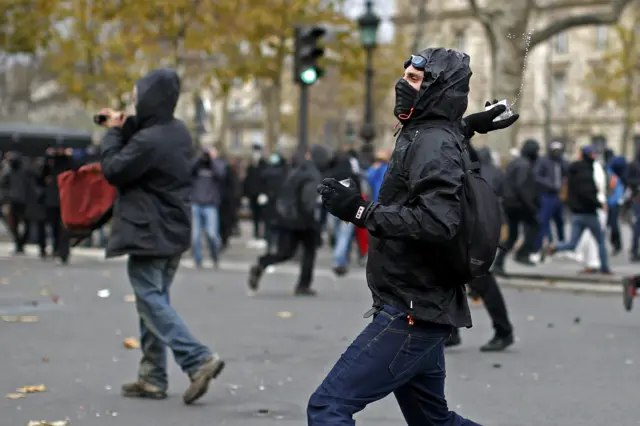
point(406, 97)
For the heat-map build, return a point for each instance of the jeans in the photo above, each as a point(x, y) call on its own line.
point(613, 222)
point(388, 356)
point(636, 228)
point(580, 222)
point(551, 210)
point(344, 236)
point(205, 218)
point(160, 324)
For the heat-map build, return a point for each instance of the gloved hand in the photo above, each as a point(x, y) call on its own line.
point(482, 122)
point(344, 203)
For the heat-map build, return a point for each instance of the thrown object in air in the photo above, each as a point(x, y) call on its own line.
point(506, 114)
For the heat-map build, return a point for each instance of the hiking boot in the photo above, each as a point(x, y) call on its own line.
point(628, 292)
point(142, 389)
point(498, 344)
point(304, 291)
point(255, 273)
point(209, 370)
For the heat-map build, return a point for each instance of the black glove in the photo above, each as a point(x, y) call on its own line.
point(344, 203)
point(482, 122)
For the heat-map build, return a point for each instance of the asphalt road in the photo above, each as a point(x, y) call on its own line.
point(575, 361)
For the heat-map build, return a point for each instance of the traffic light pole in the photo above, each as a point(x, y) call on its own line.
point(303, 122)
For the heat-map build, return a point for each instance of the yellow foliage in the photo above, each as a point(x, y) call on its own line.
point(25, 25)
point(616, 77)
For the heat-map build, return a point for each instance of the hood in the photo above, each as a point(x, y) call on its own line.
point(618, 165)
point(445, 87)
point(157, 96)
point(320, 156)
point(16, 161)
point(530, 149)
point(484, 156)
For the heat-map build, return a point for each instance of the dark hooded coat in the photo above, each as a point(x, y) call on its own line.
point(418, 212)
point(152, 171)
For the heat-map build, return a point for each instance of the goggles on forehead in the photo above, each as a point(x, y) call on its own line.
point(417, 61)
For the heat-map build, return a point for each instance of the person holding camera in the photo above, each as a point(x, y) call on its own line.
point(152, 171)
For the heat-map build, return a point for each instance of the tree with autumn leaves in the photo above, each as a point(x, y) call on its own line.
point(97, 50)
point(616, 77)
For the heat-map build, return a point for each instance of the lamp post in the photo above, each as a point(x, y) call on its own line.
point(368, 23)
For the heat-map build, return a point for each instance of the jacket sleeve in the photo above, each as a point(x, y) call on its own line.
point(433, 212)
point(309, 197)
point(543, 177)
point(123, 163)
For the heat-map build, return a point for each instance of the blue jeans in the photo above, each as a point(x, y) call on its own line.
point(388, 356)
point(344, 236)
point(636, 229)
point(580, 223)
point(205, 218)
point(551, 210)
point(160, 324)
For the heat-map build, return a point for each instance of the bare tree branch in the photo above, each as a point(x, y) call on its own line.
point(592, 18)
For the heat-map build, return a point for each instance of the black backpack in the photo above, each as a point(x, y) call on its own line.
point(478, 238)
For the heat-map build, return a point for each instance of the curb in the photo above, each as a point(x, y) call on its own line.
point(584, 279)
point(565, 286)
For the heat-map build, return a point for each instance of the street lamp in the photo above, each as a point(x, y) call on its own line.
point(368, 23)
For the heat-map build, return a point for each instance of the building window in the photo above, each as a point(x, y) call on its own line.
point(559, 86)
point(561, 43)
point(602, 37)
point(256, 110)
point(460, 41)
point(237, 83)
point(236, 106)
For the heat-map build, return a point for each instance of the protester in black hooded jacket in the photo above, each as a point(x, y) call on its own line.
point(412, 225)
point(152, 171)
point(296, 221)
point(273, 177)
point(493, 174)
point(18, 183)
point(521, 202)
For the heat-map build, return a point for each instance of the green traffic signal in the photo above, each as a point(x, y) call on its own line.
point(309, 76)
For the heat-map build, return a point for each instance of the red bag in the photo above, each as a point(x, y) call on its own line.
point(86, 198)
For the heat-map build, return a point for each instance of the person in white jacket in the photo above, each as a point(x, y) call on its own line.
point(587, 250)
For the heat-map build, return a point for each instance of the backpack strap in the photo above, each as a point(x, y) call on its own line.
point(473, 166)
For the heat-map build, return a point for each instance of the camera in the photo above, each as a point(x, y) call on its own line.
point(100, 119)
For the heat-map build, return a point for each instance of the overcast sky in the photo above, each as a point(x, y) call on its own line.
point(384, 8)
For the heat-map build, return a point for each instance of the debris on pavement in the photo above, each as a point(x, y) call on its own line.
point(45, 292)
point(46, 423)
point(131, 343)
point(20, 318)
point(104, 293)
point(32, 389)
point(4, 281)
point(284, 314)
point(45, 359)
point(531, 318)
point(130, 298)
point(16, 395)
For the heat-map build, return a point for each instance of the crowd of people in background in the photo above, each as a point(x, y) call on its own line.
point(540, 193)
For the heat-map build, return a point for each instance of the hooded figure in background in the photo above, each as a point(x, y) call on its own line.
point(296, 220)
point(617, 175)
point(254, 189)
point(273, 178)
point(551, 172)
point(521, 203)
point(18, 183)
point(493, 174)
point(412, 225)
point(231, 199)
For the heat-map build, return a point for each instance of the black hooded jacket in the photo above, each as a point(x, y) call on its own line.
point(297, 201)
point(152, 171)
point(418, 212)
point(520, 190)
point(493, 174)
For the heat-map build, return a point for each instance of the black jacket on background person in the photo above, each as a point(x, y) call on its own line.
point(582, 193)
point(297, 202)
point(55, 164)
point(520, 190)
point(152, 171)
point(419, 211)
point(273, 177)
point(493, 174)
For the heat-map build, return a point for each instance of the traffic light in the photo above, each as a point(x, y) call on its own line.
point(307, 52)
